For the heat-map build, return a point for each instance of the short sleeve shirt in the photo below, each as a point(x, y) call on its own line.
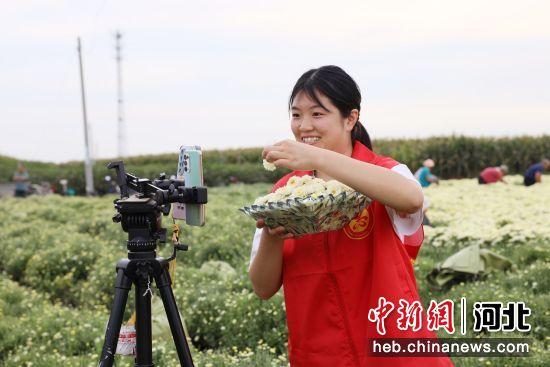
point(422, 175)
point(491, 174)
point(533, 170)
point(21, 185)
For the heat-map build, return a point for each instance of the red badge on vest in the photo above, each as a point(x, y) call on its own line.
point(360, 226)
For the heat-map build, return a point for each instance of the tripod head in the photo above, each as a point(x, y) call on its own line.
point(140, 213)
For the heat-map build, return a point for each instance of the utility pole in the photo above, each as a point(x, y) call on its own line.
point(88, 160)
point(121, 123)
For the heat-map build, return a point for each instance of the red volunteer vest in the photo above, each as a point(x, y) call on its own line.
point(332, 279)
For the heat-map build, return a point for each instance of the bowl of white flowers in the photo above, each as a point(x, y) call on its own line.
point(308, 204)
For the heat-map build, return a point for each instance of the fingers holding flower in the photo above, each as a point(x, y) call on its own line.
point(292, 155)
point(274, 155)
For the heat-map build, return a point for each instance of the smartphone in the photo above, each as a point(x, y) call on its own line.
point(190, 171)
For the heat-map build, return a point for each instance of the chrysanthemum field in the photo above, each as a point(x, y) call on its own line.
point(57, 259)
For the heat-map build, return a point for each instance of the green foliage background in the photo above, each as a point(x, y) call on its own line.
point(456, 157)
point(58, 255)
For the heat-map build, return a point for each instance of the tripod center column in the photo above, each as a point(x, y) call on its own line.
point(144, 345)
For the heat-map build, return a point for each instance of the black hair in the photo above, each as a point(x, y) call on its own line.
point(340, 88)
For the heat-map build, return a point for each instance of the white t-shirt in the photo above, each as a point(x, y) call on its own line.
point(403, 225)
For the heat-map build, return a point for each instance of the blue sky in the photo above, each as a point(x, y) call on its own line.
point(218, 73)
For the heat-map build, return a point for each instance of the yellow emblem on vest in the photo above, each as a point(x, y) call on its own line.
point(360, 226)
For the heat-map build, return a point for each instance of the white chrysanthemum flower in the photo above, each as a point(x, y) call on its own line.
point(304, 180)
point(274, 197)
point(314, 188)
point(293, 181)
point(315, 195)
point(284, 191)
point(269, 166)
point(334, 187)
point(262, 200)
point(269, 198)
point(319, 181)
point(307, 190)
point(298, 192)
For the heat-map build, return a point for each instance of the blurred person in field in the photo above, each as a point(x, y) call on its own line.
point(493, 175)
point(22, 180)
point(533, 174)
point(424, 174)
point(64, 186)
point(111, 185)
point(66, 190)
point(333, 281)
point(45, 188)
point(426, 178)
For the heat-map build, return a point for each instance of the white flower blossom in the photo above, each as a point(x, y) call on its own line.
point(298, 192)
point(275, 196)
point(284, 191)
point(269, 166)
point(261, 200)
point(293, 181)
point(314, 188)
point(269, 198)
point(334, 187)
point(303, 187)
point(466, 212)
point(304, 180)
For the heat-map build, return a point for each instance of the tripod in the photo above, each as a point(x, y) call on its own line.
point(141, 216)
point(138, 269)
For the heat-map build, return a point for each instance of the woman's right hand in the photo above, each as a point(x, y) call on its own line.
point(280, 232)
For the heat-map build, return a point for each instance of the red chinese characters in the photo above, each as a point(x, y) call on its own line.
point(440, 315)
point(410, 315)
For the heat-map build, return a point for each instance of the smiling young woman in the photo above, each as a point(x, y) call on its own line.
point(331, 280)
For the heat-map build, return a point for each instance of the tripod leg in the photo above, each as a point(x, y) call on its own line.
point(178, 334)
point(122, 287)
point(144, 344)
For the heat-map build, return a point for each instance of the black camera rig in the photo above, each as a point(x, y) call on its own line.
point(140, 215)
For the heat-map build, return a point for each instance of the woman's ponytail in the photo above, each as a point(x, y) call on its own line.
point(360, 134)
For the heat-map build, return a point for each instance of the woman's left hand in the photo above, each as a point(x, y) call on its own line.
point(292, 155)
